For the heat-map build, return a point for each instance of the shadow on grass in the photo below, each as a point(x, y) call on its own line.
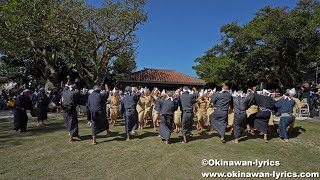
point(273, 134)
point(10, 137)
point(120, 122)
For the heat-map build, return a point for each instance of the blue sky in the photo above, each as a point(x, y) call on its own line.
point(179, 31)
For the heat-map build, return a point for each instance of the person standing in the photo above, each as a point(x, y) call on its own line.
point(210, 108)
point(241, 103)
point(292, 94)
point(186, 101)
point(20, 118)
point(96, 105)
point(128, 107)
point(177, 120)
point(148, 103)
point(167, 107)
point(306, 91)
point(114, 101)
point(201, 111)
point(221, 102)
point(285, 106)
point(141, 109)
point(266, 107)
point(42, 102)
point(155, 114)
point(70, 101)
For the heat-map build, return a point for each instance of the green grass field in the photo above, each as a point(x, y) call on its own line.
point(45, 153)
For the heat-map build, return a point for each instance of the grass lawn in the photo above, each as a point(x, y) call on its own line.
point(45, 153)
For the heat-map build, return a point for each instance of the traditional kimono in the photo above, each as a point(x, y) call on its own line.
point(295, 109)
point(147, 109)
point(155, 113)
point(186, 102)
point(210, 111)
point(128, 107)
point(114, 110)
point(266, 106)
point(97, 107)
point(202, 111)
point(230, 116)
point(42, 101)
point(20, 119)
point(177, 117)
point(166, 108)
point(70, 103)
point(285, 107)
point(221, 103)
point(240, 105)
point(141, 110)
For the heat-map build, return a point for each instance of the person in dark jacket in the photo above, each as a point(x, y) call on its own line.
point(166, 107)
point(22, 103)
point(96, 104)
point(128, 107)
point(285, 106)
point(186, 102)
point(42, 102)
point(241, 103)
point(266, 107)
point(221, 102)
point(70, 98)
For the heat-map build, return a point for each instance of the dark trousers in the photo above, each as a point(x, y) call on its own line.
point(186, 123)
point(131, 118)
point(20, 120)
point(219, 121)
point(71, 121)
point(240, 122)
point(261, 121)
point(166, 124)
point(284, 123)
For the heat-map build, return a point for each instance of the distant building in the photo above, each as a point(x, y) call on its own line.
point(160, 78)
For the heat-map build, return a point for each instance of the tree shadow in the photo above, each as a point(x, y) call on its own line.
point(9, 137)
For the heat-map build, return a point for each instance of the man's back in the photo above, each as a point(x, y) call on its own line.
point(69, 98)
point(221, 100)
point(130, 101)
point(96, 101)
point(186, 101)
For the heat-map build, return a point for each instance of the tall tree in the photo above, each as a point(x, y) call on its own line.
point(276, 44)
point(51, 35)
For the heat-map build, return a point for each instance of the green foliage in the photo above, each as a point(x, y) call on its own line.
point(216, 69)
point(276, 44)
point(54, 35)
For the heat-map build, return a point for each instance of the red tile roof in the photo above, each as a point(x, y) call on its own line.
point(162, 76)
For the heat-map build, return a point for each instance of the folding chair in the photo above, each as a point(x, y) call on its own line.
point(304, 110)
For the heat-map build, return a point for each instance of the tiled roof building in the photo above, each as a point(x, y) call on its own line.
point(162, 78)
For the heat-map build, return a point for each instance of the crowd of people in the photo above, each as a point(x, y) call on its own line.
point(243, 113)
